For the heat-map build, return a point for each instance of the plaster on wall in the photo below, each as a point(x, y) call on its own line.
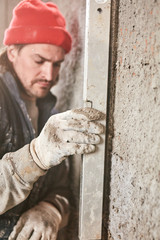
point(135, 170)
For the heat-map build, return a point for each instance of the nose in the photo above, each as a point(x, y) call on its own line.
point(47, 72)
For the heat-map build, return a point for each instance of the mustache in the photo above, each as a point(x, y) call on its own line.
point(52, 82)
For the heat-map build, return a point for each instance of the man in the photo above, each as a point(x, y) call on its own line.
point(34, 188)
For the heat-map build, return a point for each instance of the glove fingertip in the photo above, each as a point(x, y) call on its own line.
point(90, 148)
point(91, 114)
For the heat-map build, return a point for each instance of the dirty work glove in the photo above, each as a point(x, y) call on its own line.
point(71, 132)
point(40, 222)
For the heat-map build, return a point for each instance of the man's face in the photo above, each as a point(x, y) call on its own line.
point(37, 67)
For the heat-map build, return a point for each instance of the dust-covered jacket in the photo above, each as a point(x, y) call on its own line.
point(22, 188)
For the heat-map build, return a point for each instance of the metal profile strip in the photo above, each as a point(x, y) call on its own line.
point(95, 95)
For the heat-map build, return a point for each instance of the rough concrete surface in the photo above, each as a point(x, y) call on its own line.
point(135, 162)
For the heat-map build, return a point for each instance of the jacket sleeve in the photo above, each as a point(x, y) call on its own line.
point(18, 172)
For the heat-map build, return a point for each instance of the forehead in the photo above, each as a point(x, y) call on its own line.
point(48, 51)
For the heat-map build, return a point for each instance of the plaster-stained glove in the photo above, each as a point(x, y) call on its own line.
point(40, 222)
point(71, 132)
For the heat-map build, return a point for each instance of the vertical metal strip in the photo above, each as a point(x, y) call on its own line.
point(95, 95)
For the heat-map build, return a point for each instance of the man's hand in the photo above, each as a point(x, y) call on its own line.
point(40, 222)
point(72, 132)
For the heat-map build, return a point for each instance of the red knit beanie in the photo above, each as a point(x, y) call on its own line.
point(37, 22)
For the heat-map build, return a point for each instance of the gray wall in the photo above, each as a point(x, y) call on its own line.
point(70, 87)
point(6, 7)
point(135, 153)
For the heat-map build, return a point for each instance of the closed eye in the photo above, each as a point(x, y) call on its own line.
point(39, 62)
point(58, 64)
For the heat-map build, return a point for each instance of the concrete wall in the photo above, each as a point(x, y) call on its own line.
point(134, 211)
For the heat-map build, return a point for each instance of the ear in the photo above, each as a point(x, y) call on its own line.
point(12, 53)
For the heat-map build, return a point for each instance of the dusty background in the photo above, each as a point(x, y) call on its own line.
point(132, 177)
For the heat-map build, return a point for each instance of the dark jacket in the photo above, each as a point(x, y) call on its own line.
point(16, 131)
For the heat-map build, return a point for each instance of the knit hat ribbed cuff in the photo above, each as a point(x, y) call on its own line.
point(38, 34)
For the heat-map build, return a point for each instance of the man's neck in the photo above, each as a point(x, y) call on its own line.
point(26, 97)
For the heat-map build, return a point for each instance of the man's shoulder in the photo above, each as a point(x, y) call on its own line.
point(2, 88)
point(4, 93)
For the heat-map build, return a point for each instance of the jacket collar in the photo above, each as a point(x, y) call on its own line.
point(45, 105)
point(49, 101)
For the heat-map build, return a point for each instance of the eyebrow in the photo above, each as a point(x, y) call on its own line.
point(48, 60)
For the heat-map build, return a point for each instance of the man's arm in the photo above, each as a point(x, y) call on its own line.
point(18, 172)
point(51, 213)
point(65, 134)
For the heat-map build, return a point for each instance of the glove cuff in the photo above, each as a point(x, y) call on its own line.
point(35, 156)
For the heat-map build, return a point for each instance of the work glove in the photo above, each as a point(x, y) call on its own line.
point(71, 132)
point(40, 222)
